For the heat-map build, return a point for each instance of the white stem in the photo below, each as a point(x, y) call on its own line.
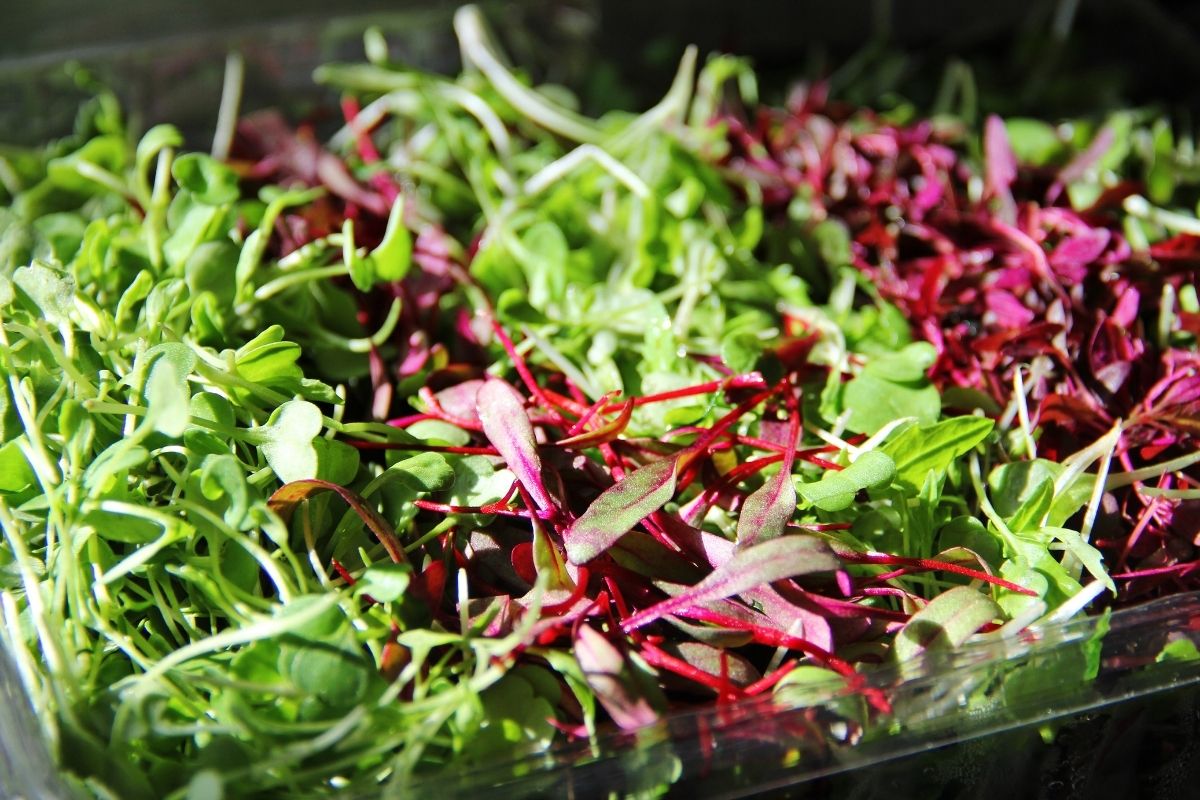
point(477, 49)
point(231, 99)
point(556, 170)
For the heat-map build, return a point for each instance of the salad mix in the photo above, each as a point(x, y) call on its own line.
point(484, 425)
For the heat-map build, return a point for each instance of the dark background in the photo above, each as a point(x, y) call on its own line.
point(1050, 58)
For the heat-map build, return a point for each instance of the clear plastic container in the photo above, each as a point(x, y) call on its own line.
point(1015, 718)
point(1025, 717)
point(1022, 717)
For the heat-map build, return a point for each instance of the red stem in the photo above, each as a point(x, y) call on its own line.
point(931, 565)
point(659, 658)
point(748, 381)
point(523, 370)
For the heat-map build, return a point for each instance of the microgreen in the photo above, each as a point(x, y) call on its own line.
point(486, 424)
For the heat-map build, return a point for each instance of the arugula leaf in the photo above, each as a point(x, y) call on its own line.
point(836, 490)
point(930, 449)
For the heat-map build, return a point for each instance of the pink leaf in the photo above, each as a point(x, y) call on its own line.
point(502, 413)
point(461, 400)
point(763, 563)
point(608, 675)
point(1072, 255)
point(1001, 167)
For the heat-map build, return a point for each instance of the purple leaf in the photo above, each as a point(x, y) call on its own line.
point(610, 678)
point(792, 619)
point(621, 506)
point(646, 556)
point(766, 512)
point(506, 425)
point(778, 614)
point(713, 549)
point(1126, 312)
point(763, 563)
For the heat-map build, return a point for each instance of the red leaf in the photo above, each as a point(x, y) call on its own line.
point(603, 434)
point(522, 562)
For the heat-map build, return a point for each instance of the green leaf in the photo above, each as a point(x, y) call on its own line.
point(543, 254)
point(210, 268)
point(209, 180)
point(807, 686)
point(118, 457)
point(923, 450)
point(1091, 558)
point(741, 350)
point(1179, 650)
point(16, 474)
point(833, 243)
point(109, 153)
point(907, 365)
point(207, 784)
point(836, 490)
point(425, 472)
point(287, 440)
point(198, 223)
point(1012, 485)
point(434, 431)
point(1033, 141)
point(477, 482)
point(167, 397)
point(892, 386)
point(222, 476)
point(874, 402)
point(157, 138)
point(271, 364)
point(335, 677)
point(50, 290)
point(337, 462)
point(1029, 514)
point(385, 582)
point(212, 407)
point(948, 621)
point(393, 257)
